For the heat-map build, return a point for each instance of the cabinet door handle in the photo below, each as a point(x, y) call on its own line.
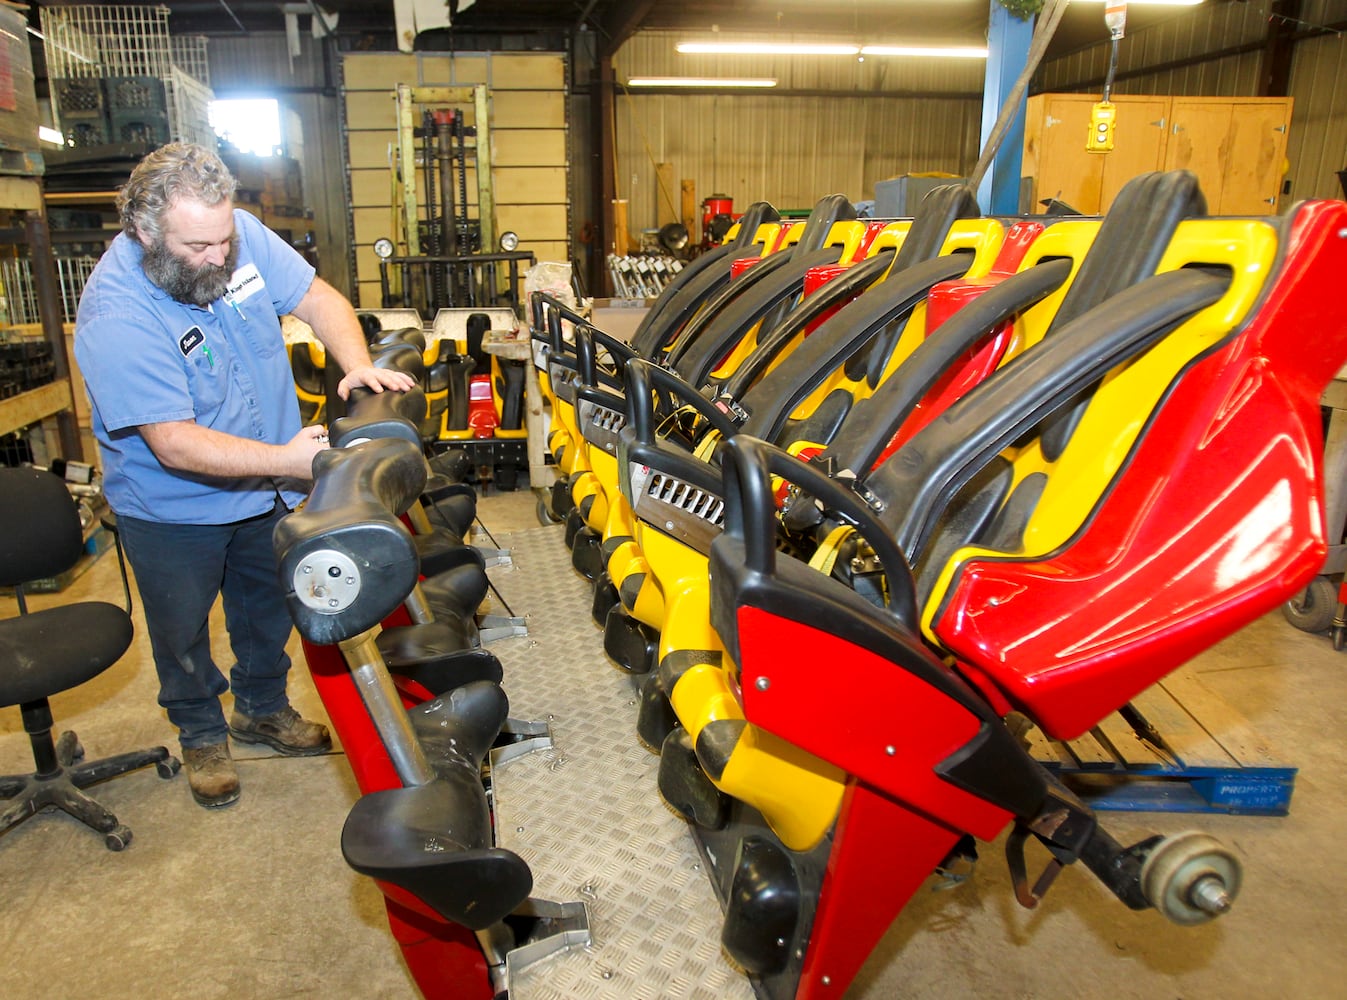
point(1279, 128)
point(1177, 128)
point(1159, 124)
point(1270, 201)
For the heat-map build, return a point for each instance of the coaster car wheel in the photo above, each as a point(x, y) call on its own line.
point(1191, 877)
point(1312, 609)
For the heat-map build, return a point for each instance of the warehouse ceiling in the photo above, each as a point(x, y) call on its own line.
point(909, 21)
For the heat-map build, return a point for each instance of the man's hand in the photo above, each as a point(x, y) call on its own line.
point(375, 379)
point(300, 450)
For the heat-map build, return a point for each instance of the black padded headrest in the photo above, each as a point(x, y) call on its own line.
point(932, 220)
point(830, 209)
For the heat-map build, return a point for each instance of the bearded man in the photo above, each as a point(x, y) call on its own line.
point(179, 340)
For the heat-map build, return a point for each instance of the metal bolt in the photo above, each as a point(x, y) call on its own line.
point(890, 750)
point(306, 569)
point(519, 829)
point(334, 571)
point(333, 602)
point(827, 980)
point(1208, 895)
point(762, 683)
point(668, 525)
point(1342, 234)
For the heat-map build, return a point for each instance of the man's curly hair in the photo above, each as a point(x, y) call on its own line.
point(178, 170)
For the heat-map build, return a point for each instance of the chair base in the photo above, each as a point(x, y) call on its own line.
point(29, 794)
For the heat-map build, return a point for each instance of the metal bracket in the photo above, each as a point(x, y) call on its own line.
point(496, 557)
point(549, 928)
point(520, 737)
point(1019, 876)
point(493, 627)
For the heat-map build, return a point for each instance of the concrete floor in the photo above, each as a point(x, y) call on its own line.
point(255, 900)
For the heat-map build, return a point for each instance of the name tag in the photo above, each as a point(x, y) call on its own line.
point(244, 284)
point(191, 340)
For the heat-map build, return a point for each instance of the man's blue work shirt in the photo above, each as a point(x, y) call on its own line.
point(147, 358)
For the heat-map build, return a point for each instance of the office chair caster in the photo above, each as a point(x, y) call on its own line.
point(117, 838)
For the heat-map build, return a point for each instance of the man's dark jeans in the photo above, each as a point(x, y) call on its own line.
point(180, 569)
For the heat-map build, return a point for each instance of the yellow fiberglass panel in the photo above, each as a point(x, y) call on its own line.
point(789, 235)
point(604, 467)
point(1070, 240)
point(848, 235)
point(618, 524)
point(891, 237)
point(763, 239)
point(797, 793)
point(983, 238)
point(703, 695)
point(1124, 402)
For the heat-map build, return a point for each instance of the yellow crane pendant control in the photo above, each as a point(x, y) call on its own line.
point(1103, 116)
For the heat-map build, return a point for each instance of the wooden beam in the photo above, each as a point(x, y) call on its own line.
point(688, 196)
point(1278, 49)
point(28, 408)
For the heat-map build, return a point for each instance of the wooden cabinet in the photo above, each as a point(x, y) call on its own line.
point(1235, 145)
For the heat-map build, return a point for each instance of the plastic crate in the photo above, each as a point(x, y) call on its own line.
point(136, 93)
point(81, 94)
point(140, 126)
point(84, 130)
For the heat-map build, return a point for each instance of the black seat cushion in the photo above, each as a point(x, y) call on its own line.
point(49, 651)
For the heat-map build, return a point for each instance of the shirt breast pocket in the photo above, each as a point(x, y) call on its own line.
point(206, 381)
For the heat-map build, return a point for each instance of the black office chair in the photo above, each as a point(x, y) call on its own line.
point(53, 650)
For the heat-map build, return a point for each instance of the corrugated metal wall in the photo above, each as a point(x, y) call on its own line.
point(791, 149)
point(1175, 43)
point(1317, 144)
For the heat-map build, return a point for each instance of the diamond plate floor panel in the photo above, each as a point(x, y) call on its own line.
point(587, 815)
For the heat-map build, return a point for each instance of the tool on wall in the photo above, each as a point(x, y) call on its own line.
point(1104, 115)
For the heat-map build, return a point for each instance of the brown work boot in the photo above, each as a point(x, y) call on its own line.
point(284, 731)
point(211, 775)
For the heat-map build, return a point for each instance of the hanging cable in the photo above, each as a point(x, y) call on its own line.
point(1115, 19)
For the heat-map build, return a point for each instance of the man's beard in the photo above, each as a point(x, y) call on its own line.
point(196, 286)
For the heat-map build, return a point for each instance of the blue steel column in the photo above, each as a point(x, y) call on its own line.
point(1008, 54)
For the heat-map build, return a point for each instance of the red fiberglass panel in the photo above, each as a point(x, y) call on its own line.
point(855, 709)
point(741, 265)
point(481, 407)
point(945, 300)
point(1216, 519)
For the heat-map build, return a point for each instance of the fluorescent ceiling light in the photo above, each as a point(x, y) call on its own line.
point(945, 52)
point(767, 49)
point(698, 81)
